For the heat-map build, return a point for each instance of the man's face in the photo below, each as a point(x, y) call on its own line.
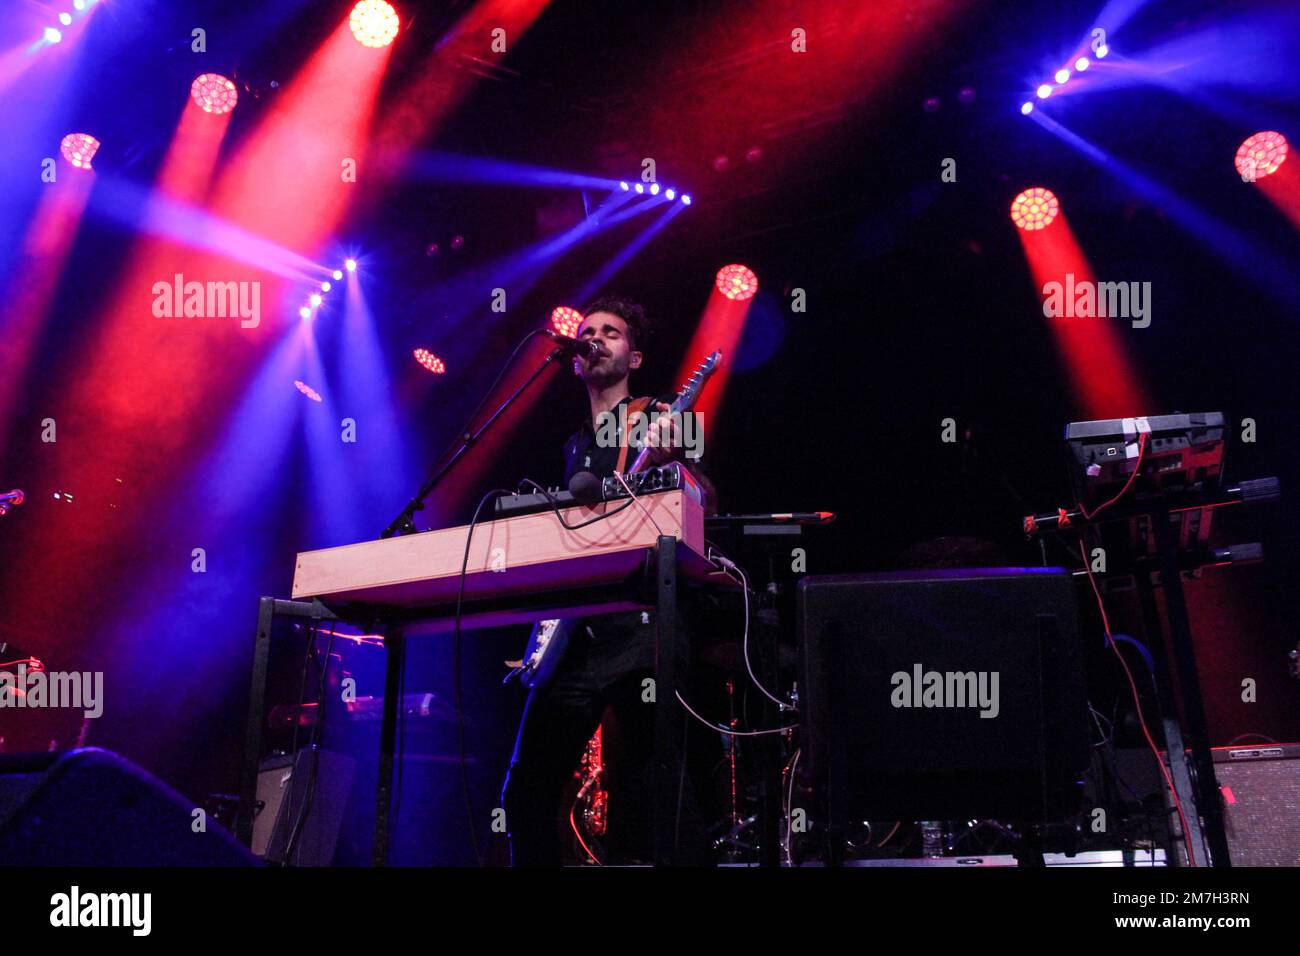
point(609, 331)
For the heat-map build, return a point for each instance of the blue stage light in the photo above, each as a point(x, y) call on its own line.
point(338, 273)
point(350, 265)
point(305, 312)
point(640, 188)
point(1082, 63)
point(670, 194)
point(1101, 51)
point(1062, 75)
point(1044, 91)
point(623, 186)
point(315, 299)
point(654, 189)
point(686, 200)
point(65, 19)
point(52, 35)
point(1026, 107)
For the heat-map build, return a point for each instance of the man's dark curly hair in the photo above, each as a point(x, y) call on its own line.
point(638, 327)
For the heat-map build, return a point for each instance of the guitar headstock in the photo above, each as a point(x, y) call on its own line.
point(687, 394)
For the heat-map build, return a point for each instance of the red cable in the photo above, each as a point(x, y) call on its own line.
point(1137, 468)
point(574, 824)
point(1137, 704)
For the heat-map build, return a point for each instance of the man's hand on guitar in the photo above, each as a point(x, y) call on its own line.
point(664, 437)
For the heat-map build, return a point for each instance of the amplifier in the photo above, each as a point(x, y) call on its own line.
point(942, 695)
point(284, 788)
point(1260, 786)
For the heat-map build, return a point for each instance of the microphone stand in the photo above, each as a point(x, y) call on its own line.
point(404, 523)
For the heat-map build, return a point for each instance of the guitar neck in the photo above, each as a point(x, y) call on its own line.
point(684, 401)
point(642, 461)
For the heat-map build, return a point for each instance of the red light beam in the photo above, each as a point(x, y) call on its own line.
point(1103, 380)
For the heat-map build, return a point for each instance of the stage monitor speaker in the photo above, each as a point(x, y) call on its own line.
point(90, 807)
point(942, 695)
point(1260, 787)
point(282, 788)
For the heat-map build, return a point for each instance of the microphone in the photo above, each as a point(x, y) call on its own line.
point(588, 350)
point(586, 488)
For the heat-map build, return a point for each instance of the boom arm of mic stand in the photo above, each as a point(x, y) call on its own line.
point(404, 523)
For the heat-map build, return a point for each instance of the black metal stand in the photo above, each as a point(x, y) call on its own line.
point(772, 755)
point(394, 664)
point(769, 752)
point(1168, 711)
point(1178, 685)
point(1206, 819)
point(773, 535)
point(671, 657)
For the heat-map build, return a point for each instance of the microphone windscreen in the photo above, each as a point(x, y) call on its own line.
point(586, 488)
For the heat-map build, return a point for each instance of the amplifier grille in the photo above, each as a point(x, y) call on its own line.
point(1262, 809)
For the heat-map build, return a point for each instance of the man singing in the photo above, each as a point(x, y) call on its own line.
point(608, 657)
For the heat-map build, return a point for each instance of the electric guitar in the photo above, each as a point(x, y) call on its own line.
point(549, 638)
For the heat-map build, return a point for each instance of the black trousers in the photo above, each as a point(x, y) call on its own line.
point(605, 665)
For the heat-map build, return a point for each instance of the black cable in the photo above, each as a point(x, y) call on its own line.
point(302, 687)
point(555, 507)
point(455, 666)
point(317, 733)
point(401, 732)
point(297, 716)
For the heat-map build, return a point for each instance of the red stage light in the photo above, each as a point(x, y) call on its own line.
point(430, 361)
point(214, 93)
point(79, 149)
point(566, 320)
point(737, 282)
point(1034, 208)
point(374, 23)
point(1261, 155)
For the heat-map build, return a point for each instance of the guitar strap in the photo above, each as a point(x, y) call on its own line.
point(635, 407)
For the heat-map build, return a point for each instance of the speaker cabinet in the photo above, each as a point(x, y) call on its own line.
point(942, 695)
point(1260, 788)
point(90, 807)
